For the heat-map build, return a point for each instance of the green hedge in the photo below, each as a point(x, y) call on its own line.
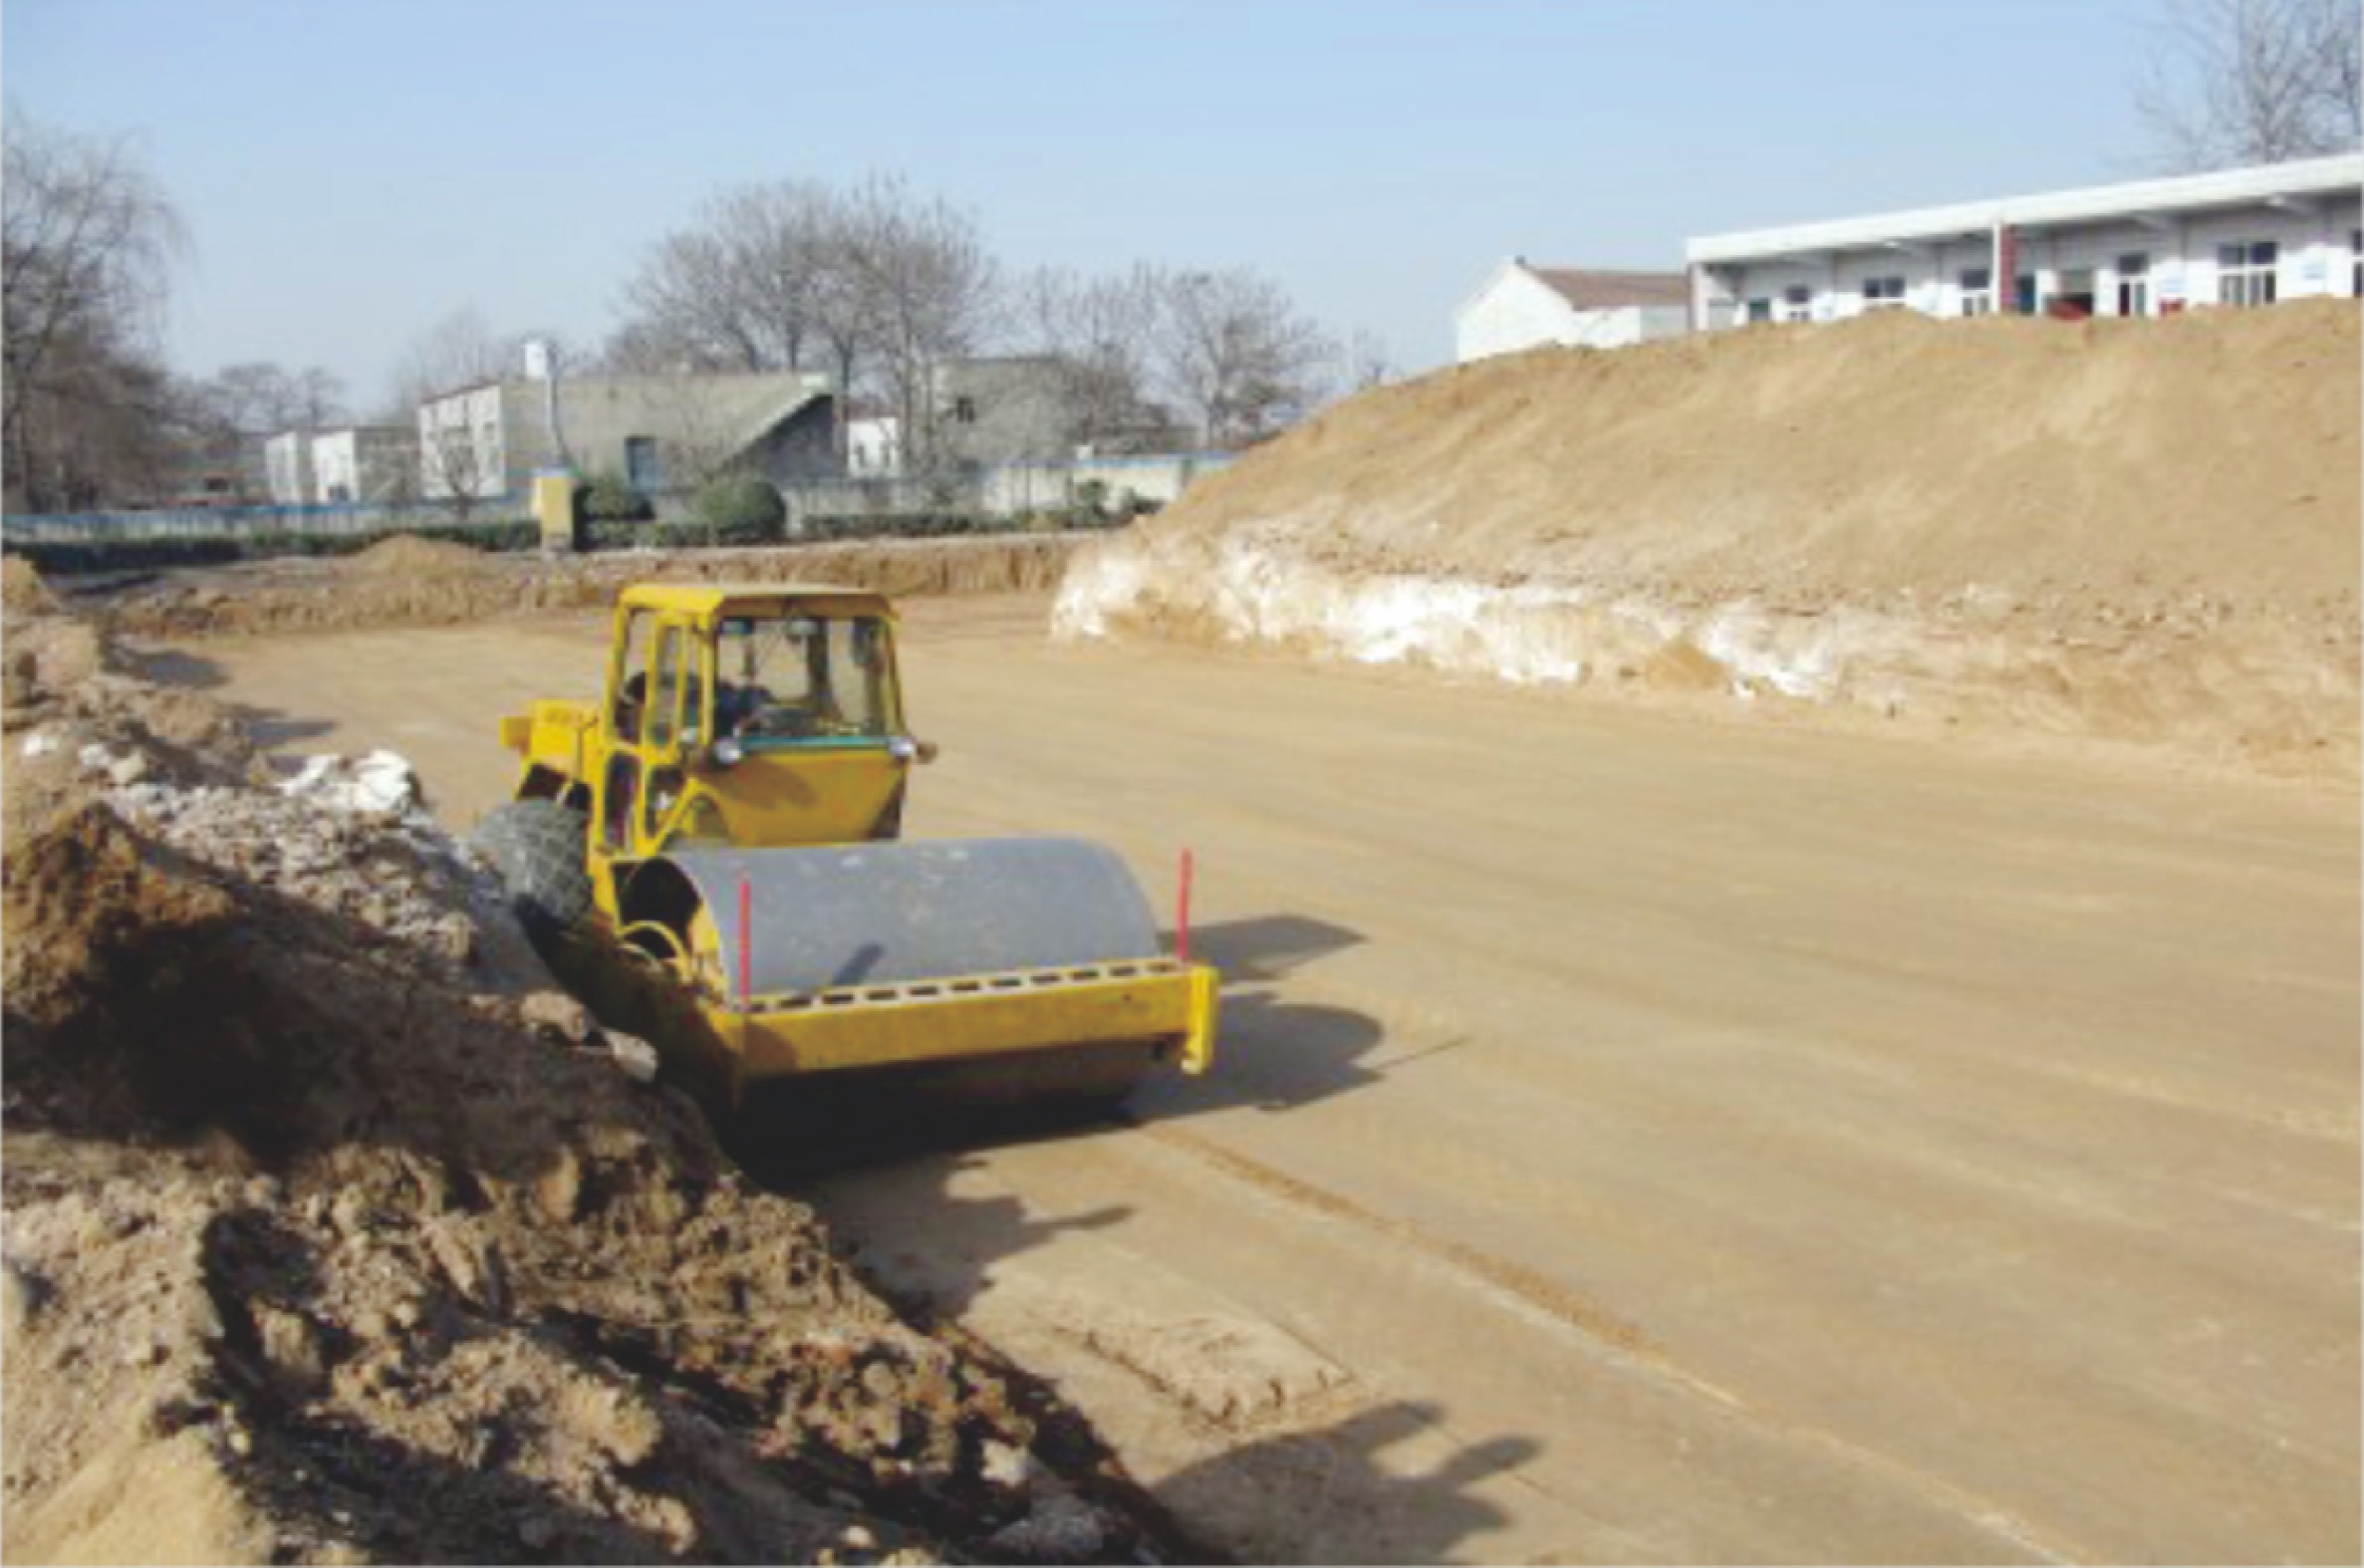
point(65, 557)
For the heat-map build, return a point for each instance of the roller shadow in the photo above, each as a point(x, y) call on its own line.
point(1270, 1052)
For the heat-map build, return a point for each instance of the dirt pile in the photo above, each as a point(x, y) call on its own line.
point(2145, 530)
point(407, 555)
point(22, 590)
point(413, 582)
point(331, 1234)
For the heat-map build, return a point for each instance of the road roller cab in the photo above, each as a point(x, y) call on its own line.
point(754, 715)
point(713, 846)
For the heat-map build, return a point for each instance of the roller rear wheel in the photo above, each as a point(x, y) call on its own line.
point(535, 847)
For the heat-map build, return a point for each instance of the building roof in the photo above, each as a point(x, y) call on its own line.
point(1592, 290)
point(2300, 182)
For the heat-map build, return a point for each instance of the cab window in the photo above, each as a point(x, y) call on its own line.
point(632, 683)
point(673, 693)
point(801, 677)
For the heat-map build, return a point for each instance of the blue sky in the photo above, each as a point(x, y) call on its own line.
point(352, 172)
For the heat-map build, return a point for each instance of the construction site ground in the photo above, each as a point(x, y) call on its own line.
point(1635, 1135)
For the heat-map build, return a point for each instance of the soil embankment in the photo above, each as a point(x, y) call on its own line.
point(410, 581)
point(2139, 530)
point(334, 1234)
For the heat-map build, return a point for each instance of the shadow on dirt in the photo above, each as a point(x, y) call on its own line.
point(1323, 1494)
point(171, 666)
point(268, 728)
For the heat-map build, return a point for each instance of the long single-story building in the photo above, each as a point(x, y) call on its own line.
point(2241, 236)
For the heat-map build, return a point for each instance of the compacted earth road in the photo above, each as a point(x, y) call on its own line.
point(1635, 1136)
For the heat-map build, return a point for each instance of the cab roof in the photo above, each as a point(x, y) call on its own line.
point(706, 599)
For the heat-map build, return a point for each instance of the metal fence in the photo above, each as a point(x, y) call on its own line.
point(247, 522)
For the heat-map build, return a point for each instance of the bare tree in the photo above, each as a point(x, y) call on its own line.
point(1098, 335)
point(88, 240)
point(2237, 82)
point(259, 397)
point(1364, 363)
point(1236, 356)
point(457, 352)
point(920, 288)
point(743, 287)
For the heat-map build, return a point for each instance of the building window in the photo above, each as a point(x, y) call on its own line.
point(644, 468)
point(964, 410)
point(2245, 273)
point(1977, 290)
point(1884, 294)
point(1760, 309)
point(2134, 284)
point(1797, 302)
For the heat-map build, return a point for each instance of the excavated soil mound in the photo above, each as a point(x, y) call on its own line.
point(407, 555)
point(2136, 529)
point(331, 1236)
point(408, 582)
point(22, 590)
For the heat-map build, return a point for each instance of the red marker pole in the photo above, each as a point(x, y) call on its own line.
point(746, 941)
point(1182, 918)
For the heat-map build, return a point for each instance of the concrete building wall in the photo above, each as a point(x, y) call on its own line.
point(463, 450)
point(287, 468)
point(660, 434)
point(1000, 410)
point(1513, 311)
point(365, 465)
point(1516, 311)
point(1015, 488)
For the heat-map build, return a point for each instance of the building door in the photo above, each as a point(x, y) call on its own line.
point(2072, 296)
point(2134, 284)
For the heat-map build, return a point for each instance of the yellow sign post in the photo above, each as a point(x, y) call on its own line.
point(554, 507)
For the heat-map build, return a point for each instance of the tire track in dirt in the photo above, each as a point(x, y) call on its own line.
point(1624, 1344)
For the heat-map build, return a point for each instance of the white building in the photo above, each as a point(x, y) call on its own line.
point(874, 447)
point(366, 463)
point(287, 467)
point(460, 449)
point(1524, 306)
point(2244, 236)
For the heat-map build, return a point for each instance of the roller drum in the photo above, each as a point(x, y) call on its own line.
point(894, 912)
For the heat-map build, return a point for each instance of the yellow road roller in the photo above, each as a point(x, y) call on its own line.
point(713, 854)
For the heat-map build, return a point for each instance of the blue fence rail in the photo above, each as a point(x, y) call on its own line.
point(246, 522)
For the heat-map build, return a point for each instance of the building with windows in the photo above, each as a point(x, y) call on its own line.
point(2238, 237)
point(1523, 307)
point(662, 435)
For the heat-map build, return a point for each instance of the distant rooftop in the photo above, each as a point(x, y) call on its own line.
point(1592, 290)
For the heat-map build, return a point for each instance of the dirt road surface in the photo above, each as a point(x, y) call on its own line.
point(1635, 1137)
